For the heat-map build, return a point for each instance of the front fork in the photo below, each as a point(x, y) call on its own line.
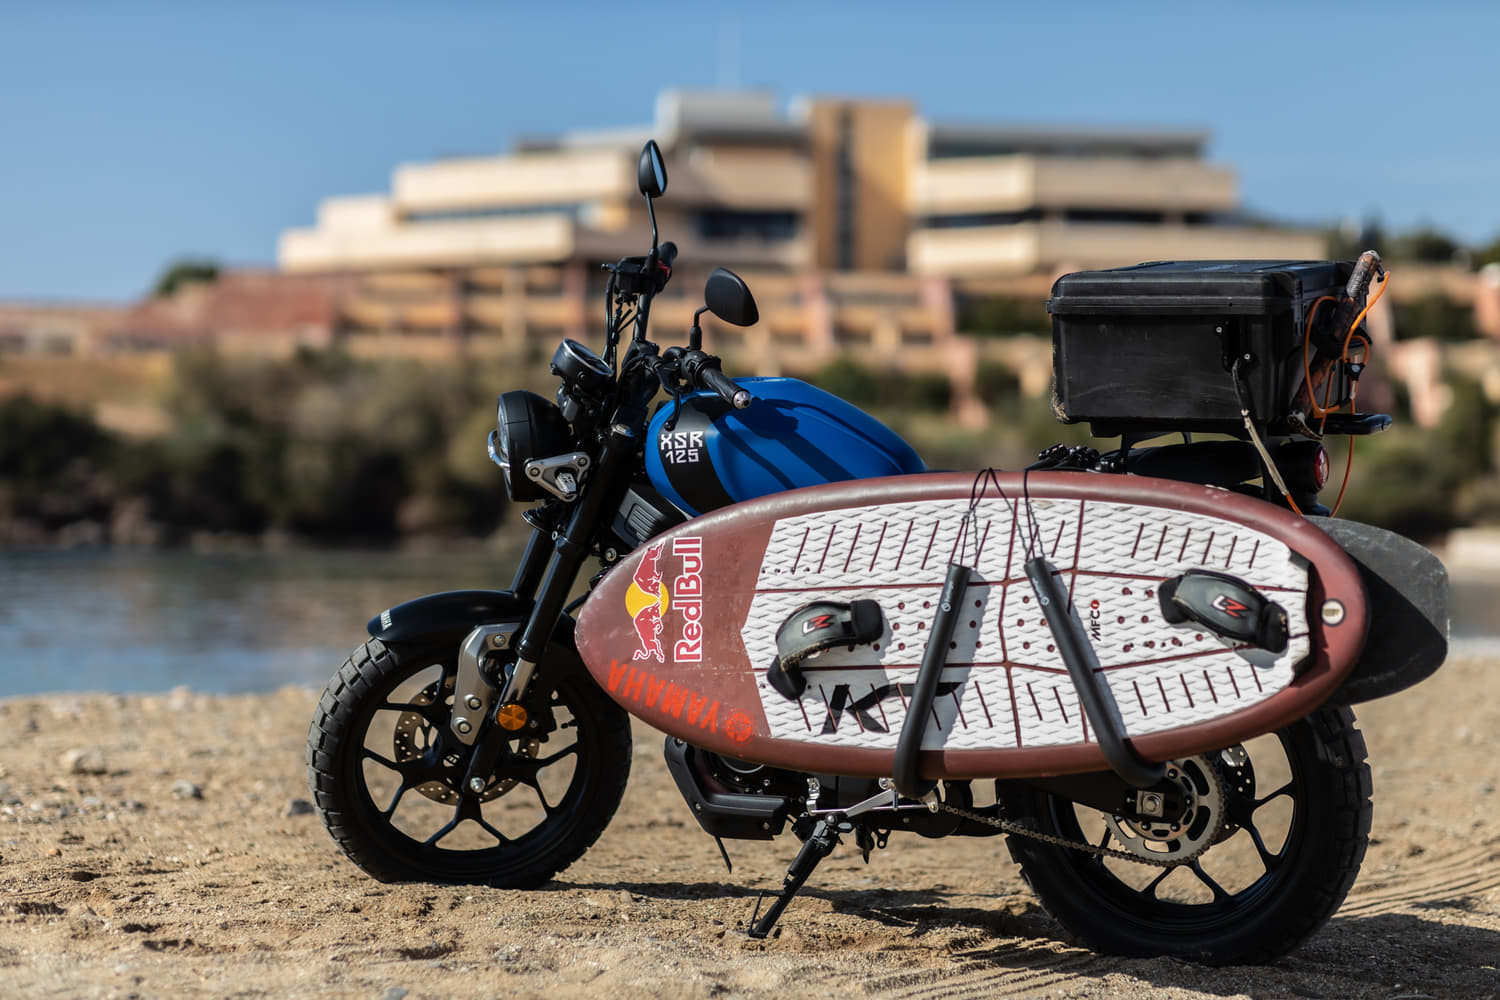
point(485, 716)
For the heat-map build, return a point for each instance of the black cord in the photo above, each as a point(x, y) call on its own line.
point(983, 480)
point(1267, 461)
point(611, 331)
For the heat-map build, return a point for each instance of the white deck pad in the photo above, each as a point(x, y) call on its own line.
point(1004, 684)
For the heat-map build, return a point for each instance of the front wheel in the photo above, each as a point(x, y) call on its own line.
point(385, 772)
point(1269, 848)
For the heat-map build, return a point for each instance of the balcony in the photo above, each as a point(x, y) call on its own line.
point(1055, 246)
point(570, 177)
point(466, 243)
point(979, 185)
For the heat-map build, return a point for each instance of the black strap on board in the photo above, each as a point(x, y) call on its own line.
point(816, 627)
point(1226, 606)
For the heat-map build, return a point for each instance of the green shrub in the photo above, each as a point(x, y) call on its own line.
point(1434, 316)
point(864, 387)
point(999, 317)
point(1419, 483)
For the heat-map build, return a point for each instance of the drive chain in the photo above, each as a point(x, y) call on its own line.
point(1007, 826)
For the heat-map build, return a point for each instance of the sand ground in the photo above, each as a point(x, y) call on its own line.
point(158, 846)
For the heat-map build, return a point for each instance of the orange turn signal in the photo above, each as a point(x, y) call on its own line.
point(511, 717)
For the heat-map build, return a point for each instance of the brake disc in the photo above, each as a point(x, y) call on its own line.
point(415, 733)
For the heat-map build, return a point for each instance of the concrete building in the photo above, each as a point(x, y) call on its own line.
point(860, 226)
point(857, 223)
point(993, 205)
point(53, 328)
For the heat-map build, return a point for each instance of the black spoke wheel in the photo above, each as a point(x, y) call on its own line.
point(386, 772)
point(1295, 823)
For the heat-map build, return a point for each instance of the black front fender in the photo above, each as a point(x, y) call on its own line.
point(445, 617)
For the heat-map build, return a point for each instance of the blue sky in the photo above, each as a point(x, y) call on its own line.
point(134, 133)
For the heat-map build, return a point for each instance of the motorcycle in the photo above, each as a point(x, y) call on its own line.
point(467, 742)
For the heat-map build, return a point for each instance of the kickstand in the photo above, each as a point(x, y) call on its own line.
point(818, 846)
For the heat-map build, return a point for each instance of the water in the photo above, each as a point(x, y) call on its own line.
point(127, 621)
point(254, 621)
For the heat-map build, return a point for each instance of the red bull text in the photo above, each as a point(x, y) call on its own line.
point(687, 591)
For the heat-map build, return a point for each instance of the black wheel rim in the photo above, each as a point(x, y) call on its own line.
point(407, 766)
point(1269, 813)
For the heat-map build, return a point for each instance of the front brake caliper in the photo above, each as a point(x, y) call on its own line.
point(474, 694)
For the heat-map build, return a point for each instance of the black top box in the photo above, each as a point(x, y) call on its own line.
point(1151, 346)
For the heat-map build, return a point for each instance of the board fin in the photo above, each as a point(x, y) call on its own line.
point(1225, 605)
point(816, 627)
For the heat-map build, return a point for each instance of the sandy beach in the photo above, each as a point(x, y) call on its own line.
point(163, 846)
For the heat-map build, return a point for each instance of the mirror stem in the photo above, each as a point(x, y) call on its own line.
point(651, 211)
point(695, 335)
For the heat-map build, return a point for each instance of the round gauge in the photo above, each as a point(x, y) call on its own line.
point(577, 364)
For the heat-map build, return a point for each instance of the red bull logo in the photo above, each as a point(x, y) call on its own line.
point(648, 598)
point(646, 601)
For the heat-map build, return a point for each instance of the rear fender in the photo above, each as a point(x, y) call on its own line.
point(1406, 588)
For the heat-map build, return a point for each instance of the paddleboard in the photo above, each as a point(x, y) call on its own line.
point(682, 631)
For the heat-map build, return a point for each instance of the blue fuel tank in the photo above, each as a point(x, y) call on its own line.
point(792, 435)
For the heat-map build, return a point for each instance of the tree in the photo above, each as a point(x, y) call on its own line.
point(1425, 244)
point(185, 271)
point(1490, 254)
point(1434, 315)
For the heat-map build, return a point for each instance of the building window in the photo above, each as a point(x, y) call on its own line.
point(971, 220)
point(850, 336)
point(720, 224)
point(844, 193)
point(1113, 216)
point(574, 210)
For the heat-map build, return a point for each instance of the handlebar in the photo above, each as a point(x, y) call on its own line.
point(637, 275)
point(702, 370)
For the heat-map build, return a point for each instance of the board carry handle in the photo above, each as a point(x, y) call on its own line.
point(904, 771)
point(816, 627)
point(1083, 665)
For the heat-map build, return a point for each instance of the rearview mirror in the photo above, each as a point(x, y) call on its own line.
point(651, 172)
point(728, 297)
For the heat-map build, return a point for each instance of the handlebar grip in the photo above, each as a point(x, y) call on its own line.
point(665, 255)
point(702, 370)
point(1365, 270)
point(716, 381)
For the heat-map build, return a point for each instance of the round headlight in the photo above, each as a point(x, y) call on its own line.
point(526, 427)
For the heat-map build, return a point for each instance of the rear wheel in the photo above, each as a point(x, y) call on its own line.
point(1269, 849)
point(386, 772)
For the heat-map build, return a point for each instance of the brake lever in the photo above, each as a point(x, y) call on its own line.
point(669, 375)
